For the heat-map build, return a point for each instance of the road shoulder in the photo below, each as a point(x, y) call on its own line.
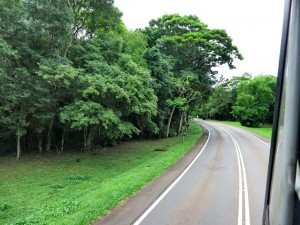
point(130, 209)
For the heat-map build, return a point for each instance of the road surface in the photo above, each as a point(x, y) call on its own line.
point(223, 185)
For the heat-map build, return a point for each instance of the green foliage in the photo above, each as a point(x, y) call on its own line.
point(73, 76)
point(48, 26)
point(10, 18)
point(15, 100)
point(69, 66)
point(246, 99)
point(83, 114)
point(193, 51)
point(115, 83)
point(7, 53)
point(219, 104)
point(255, 101)
point(92, 17)
point(192, 44)
point(160, 67)
point(57, 74)
point(135, 45)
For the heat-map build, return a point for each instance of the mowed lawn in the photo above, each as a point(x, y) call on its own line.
point(263, 130)
point(79, 188)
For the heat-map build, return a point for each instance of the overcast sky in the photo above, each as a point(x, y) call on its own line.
point(254, 25)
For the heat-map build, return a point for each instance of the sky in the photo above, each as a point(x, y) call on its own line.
point(254, 25)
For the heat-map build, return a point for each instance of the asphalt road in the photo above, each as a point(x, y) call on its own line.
point(224, 184)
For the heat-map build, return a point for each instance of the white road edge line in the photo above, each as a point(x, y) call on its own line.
point(265, 143)
point(154, 204)
point(244, 190)
point(248, 133)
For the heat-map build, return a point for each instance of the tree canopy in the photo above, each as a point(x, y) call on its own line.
point(194, 51)
point(73, 76)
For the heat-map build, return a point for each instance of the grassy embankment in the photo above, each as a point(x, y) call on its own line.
point(78, 188)
point(265, 130)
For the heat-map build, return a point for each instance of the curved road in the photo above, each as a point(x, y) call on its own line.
point(224, 184)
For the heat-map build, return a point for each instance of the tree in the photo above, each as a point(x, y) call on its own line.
point(194, 49)
point(160, 67)
point(255, 98)
point(59, 79)
point(187, 87)
point(16, 84)
point(48, 27)
point(47, 33)
point(135, 45)
point(90, 115)
point(92, 17)
point(192, 44)
point(116, 97)
point(15, 103)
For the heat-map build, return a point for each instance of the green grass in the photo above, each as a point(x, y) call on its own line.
point(79, 188)
point(265, 130)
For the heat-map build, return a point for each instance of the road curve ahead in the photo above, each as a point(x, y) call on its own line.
point(223, 185)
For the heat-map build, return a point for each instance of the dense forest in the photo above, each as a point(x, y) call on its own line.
point(72, 76)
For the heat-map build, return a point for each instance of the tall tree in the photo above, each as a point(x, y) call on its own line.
point(16, 83)
point(187, 87)
point(192, 44)
point(160, 67)
point(195, 49)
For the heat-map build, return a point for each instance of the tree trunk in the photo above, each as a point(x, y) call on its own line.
point(63, 134)
point(68, 46)
point(90, 139)
point(18, 144)
point(49, 136)
point(40, 142)
point(180, 124)
point(169, 121)
point(85, 138)
point(184, 115)
point(187, 119)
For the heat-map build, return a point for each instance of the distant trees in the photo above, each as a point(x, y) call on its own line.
point(255, 101)
point(246, 99)
point(73, 76)
point(219, 104)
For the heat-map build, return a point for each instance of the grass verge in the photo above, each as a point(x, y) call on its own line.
point(265, 130)
point(78, 188)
